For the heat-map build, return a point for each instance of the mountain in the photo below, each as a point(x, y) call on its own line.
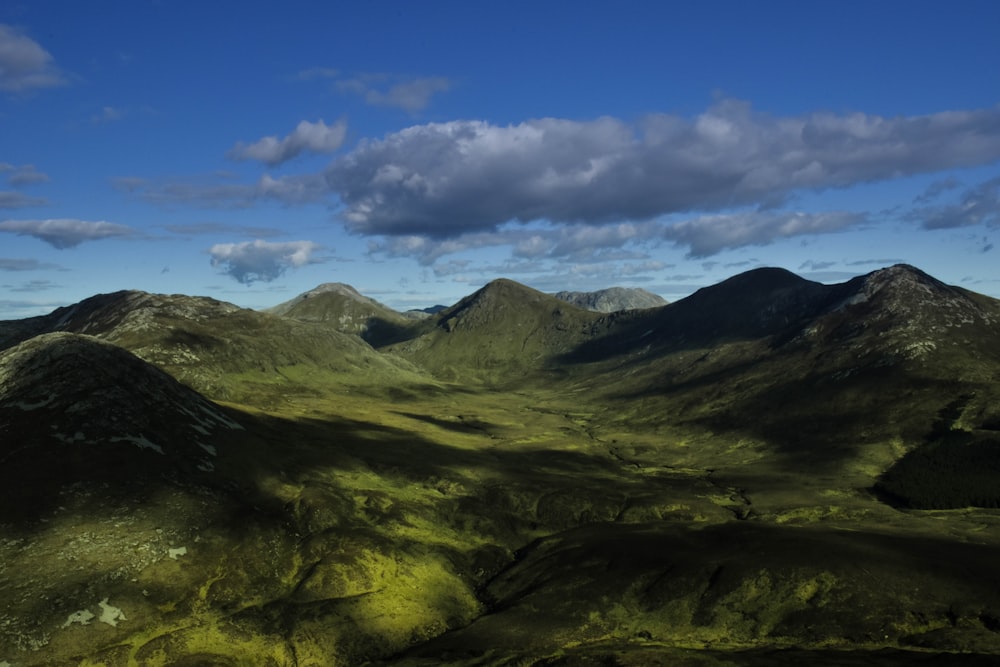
point(772, 471)
point(75, 409)
point(224, 351)
point(496, 334)
point(613, 299)
point(346, 310)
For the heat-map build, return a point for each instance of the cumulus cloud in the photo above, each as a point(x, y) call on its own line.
point(259, 260)
point(708, 235)
point(65, 233)
point(24, 64)
point(977, 205)
point(445, 179)
point(411, 96)
point(308, 137)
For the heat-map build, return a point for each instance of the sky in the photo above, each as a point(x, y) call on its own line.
point(250, 151)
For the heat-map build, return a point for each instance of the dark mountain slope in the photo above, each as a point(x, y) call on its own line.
point(497, 334)
point(613, 299)
point(852, 374)
point(749, 306)
point(222, 350)
point(74, 409)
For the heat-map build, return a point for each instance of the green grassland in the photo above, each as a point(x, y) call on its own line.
point(515, 481)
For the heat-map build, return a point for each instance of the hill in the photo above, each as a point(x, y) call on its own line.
point(613, 299)
point(495, 335)
point(346, 310)
point(224, 351)
point(771, 471)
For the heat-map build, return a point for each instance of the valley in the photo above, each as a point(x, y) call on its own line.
point(768, 472)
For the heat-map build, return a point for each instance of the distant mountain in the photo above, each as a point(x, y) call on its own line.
point(223, 351)
point(613, 299)
point(497, 333)
point(345, 309)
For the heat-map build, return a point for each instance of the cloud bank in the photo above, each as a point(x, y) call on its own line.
point(65, 233)
point(259, 260)
point(24, 64)
point(442, 180)
point(307, 137)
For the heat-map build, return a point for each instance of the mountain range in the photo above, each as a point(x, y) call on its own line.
point(770, 471)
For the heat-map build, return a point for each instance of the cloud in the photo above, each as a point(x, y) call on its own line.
point(33, 286)
point(411, 96)
point(7, 264)
point(309, 137)
point(25, 174)
point(220, 228)
point(708, 235)
point(24, 64)
point(108, 114)
point(813, 265)
point(65, 233)
point(442, 180)
point(11, 199)
point(935, 190)
point(978, 205)
point(288, 190)
point(251, 261)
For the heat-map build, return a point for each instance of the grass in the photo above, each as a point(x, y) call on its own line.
point(491, 490)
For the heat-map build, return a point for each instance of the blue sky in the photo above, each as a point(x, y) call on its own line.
point(250, 151)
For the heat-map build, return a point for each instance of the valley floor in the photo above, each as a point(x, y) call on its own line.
point(474, 527)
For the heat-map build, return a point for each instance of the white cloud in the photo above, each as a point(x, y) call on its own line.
point(708, 235)
point(411, 96)
point(309, 137)
point(251, 261)
point(24, 64)
point(447, 179)
point(66, 232)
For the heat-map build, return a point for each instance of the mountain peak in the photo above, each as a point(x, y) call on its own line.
point(613, 299)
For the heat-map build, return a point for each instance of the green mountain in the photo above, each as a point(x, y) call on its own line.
point(224, 351)
point(771, 471)
point(345, 309)
point(496, 335)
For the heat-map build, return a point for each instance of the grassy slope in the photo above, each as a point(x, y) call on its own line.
point(656, 499)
